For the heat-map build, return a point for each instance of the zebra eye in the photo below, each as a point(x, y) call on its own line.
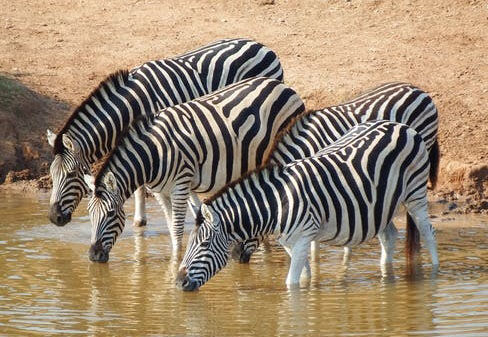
point(71, 174)
point(110, 213)
point(205, 244)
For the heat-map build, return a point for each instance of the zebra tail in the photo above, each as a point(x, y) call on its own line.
point(434, 157)
point(412, 244)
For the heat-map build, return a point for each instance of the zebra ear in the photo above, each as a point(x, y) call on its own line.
point(90, 181)
point(70, 144)
point(110, 182)
point(51, 137)
point(210, 216)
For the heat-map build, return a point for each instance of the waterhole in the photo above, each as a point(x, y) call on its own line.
point(49, 287)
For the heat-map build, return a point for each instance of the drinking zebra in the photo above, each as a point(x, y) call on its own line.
point(345, 195)
point(197, 146)
point(92, 129)
point(314, 130)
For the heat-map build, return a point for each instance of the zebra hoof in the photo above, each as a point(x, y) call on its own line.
point(140, 223)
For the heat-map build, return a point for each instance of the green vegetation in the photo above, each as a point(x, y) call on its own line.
point(10, 89)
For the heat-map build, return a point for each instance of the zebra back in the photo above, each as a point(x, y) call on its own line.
point(314, 130)
point(146, 89)
point(217, 137)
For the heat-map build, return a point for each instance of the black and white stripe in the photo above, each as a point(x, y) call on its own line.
point(345, 194)
point(91, 131)
point(314, 130)
point(194, 147)
point(398, 102)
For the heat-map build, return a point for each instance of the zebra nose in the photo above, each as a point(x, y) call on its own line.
point(184, 282)
point(57, 217)
point(97, 253)
point(241, 254)
point(182, 274)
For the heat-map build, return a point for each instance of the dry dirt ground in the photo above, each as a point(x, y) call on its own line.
point(330, 50)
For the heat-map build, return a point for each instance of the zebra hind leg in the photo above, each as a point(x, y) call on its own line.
point(140, 219)
point(420, 216)
point(387, 239)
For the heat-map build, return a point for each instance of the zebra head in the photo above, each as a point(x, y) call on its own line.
point(106, 215)
point(207, 251)
point(69, 187)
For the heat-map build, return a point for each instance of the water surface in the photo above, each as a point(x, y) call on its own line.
point(49, 287)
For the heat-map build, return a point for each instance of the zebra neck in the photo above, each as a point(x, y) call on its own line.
point(130, 162)
point(251, 207)
point(100, 120)
point(311, 133)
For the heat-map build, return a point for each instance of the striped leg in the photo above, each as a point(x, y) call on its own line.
point(387, 239)
point(180, 196)
point(420, 215)
point(165, 203)
point(140, 218)
point(194, 203)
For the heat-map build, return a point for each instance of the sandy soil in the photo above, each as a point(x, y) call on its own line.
point(330, 50)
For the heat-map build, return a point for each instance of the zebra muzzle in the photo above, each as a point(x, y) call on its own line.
point(97, 253)
point(184, 282)
point(57, 216)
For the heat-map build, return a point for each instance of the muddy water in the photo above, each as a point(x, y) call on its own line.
point(48, 286)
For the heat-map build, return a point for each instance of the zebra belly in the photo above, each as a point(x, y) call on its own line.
point(348, 233)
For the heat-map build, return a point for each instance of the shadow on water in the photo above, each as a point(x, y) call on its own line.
point(48, 286)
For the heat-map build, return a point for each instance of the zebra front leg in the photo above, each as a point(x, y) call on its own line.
point(347, 256)
point(194, 203)
point(299, 255)
point(140, 219)
point(420, 215)
point(180, 195)
point(387, 239)
point(315, 250)
point(165, 203)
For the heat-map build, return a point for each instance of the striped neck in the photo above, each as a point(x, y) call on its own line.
point(146, 154)
point(123, 163)
point(98, 121)
point(250, 207)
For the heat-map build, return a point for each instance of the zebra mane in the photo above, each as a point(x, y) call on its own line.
point(120, 75)
point(106, 160)
point(232, 184)
point(283, 132)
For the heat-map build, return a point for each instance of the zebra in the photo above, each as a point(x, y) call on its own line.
point(316, 129)
point(345, 194)
point(194, 147)
point(90, 132)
